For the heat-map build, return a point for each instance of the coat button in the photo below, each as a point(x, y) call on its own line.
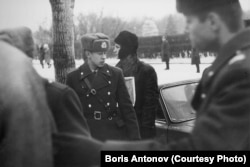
point(109, 82)
point(90, 106)
point(238, 52)
point(211, 73)
point(203, 96)
point(108, 104)
point(109, 93)
point(81, 73)
point(107, 71)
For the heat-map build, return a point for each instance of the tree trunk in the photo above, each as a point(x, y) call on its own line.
point(63, 38)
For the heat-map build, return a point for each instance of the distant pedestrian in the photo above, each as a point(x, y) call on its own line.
point(195, 59)
point(165, 52)
point(47, 56)
point(41, 54)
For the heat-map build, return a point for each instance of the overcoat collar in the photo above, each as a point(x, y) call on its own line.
point(85, 71)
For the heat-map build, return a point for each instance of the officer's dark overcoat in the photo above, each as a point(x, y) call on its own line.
point(111, 97)
point(147, 96)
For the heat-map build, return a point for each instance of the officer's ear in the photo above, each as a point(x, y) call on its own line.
point(214, 21)
point(87, 53)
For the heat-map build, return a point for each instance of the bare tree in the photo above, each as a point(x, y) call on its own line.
point(171, 27)
point(63, 38)
point(42, 35)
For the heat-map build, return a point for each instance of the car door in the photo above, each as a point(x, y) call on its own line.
point(175, 117)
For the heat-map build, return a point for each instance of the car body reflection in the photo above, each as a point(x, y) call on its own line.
point(175, 117)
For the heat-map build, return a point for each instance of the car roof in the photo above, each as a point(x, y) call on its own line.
point(190, 81)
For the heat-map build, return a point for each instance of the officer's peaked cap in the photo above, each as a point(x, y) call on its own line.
point(196, 6)
point(96, 42)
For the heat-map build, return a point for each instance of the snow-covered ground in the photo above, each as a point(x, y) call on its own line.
point(180, 69)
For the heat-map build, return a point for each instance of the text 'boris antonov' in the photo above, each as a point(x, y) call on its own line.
point(176, 159)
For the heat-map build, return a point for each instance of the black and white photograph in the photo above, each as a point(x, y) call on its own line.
point(116, 82)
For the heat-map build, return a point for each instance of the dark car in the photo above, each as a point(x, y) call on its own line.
point(175, 116)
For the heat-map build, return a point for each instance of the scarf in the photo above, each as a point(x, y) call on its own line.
point(128, 65)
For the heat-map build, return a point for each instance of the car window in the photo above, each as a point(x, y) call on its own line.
point(177, 102)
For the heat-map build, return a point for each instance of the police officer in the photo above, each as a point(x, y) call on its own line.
point(25, 124)
point(64, 104)
point(223, 94)
point(103, 93)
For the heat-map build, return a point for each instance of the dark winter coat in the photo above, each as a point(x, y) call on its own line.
point(165, 51)
point(222, 102)
point(66, 109)
point(41, 53)
point(111, 104)
point(147, 95)
point(195, 57)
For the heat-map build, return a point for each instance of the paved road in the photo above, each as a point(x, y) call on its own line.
point(177, 72)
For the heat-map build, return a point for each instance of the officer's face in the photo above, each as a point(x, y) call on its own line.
point(200, 32)
point(97, 59)
point(117, 49)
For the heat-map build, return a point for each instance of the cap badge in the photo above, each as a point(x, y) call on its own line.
point(104, 45)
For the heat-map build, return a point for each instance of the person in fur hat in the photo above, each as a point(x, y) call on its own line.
point(145, 82)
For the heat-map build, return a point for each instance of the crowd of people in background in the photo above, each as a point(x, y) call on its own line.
point(45, 54)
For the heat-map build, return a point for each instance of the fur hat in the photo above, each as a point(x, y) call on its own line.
point(127, 39)
point(128, 42)
point(97, 42)
point(196, 6)
point(21, 38)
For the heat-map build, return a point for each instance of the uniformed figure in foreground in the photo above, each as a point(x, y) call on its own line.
point(222, 98)
point(25, 124)
point(103, 93)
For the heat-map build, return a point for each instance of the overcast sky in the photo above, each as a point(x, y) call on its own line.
point(33, 13)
